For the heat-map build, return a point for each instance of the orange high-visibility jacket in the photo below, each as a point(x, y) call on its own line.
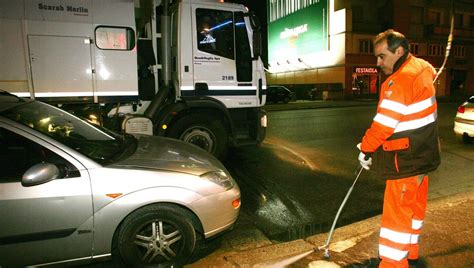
point(404, 133)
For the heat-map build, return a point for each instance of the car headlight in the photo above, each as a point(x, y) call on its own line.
point(220, 178)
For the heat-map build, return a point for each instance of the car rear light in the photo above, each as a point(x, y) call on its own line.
point(236, 203)
point(461, 109)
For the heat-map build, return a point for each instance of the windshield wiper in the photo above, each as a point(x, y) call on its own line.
point(128, 147)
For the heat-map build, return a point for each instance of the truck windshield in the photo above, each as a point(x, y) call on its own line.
point(99, 144)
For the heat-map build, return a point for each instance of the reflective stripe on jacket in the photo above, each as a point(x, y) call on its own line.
point(404, 132)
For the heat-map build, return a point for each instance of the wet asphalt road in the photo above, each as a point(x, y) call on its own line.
point(292, 185)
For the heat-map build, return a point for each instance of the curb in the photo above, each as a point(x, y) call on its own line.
point(345, 237)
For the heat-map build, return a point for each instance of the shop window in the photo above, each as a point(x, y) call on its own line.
point(114, 38)
point(281, 8)
point(215, 32)
point(459, 51)
point(414, 48)
point(366, 47)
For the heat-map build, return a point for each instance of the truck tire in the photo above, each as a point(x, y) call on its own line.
point(206, 132)
point(158, 235)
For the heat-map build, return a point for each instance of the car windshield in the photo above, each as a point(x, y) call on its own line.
point(471, 99)
point(100, 144)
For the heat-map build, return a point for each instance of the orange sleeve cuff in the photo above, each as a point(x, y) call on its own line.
point(375, 136)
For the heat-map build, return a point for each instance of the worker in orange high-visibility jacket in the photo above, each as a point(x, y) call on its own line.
point(403, 142)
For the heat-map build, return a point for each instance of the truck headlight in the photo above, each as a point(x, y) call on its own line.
point(220, 178)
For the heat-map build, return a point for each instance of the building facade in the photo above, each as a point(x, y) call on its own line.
point(322, 49)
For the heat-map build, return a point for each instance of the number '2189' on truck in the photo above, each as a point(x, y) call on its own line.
point(189, 70)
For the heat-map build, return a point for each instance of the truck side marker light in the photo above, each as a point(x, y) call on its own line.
point(115, 195)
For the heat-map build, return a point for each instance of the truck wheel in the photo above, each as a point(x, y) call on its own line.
point(207, 133)
point(157, 235)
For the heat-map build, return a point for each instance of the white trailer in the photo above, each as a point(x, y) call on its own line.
point(189, 69)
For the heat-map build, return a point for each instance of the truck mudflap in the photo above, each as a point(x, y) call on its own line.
point(249, 125)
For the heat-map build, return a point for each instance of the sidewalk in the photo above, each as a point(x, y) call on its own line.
point(447, 241)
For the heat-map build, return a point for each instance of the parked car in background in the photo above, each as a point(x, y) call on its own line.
point(464, 121)
point(279, 94)
point(73, 191)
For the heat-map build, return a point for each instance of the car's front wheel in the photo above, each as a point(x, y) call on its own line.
point(157, 235)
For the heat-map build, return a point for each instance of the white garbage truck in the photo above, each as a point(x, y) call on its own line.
point(186, 69)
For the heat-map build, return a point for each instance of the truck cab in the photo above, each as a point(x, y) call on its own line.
point(189, 70)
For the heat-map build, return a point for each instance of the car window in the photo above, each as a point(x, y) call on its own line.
point(17, 154)
point(471, 100)
point(98, 143)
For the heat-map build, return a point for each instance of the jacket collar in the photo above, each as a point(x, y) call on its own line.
point(400, 62)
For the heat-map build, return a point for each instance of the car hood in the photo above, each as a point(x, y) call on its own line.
point(168, 154)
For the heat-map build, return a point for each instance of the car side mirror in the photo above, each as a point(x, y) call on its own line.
point(39, 174)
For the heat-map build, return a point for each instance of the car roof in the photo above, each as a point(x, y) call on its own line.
point(8, 100)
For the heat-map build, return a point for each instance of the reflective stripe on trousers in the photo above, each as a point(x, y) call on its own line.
point(402, 220)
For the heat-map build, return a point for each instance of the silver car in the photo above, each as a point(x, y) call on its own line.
point(72, 191)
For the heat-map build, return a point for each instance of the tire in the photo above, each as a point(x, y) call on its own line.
point(206, 132)
point(171, 245)
point(464, 138)
point(467, 140)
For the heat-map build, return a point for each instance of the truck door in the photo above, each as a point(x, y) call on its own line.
point(61, 66)
point(221, 57)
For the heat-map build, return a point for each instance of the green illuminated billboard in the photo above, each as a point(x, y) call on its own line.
point(300, 33)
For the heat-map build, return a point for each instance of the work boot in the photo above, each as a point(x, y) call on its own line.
point(370, 263)
point(417, 263)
